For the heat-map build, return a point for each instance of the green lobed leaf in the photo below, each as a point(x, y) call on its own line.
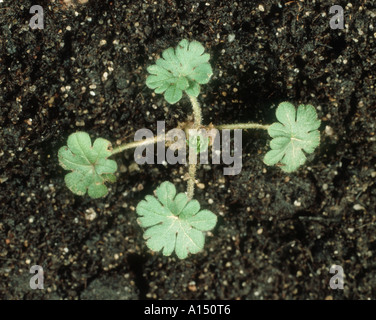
point(173, 222)
point(181, 69)
point(295, 132)
point(88, 163)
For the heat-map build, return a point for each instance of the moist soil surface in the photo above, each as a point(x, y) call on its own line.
point(277, 234)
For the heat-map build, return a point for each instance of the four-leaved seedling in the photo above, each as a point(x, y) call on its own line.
point(175, 222)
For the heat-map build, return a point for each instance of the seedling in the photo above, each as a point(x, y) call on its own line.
point(174, 222)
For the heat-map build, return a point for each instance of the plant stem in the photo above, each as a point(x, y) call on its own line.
point(196, 125)
point(135, 144)
point(191, 182)
point(193, 167)
point(196, 112)
point(245, 126)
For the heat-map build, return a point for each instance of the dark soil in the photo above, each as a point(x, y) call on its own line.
point(278, 234)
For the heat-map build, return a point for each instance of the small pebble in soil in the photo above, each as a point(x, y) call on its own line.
point(200, 185)
point(297, 203)
point(192, 286)
point(231, 37)
point(358, 207)
point(90, 214)
point(329, 131)
point(133, 167)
